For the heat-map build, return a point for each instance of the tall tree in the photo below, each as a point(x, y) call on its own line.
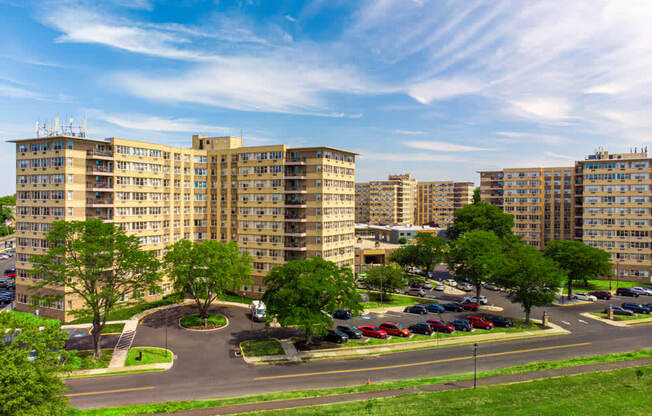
point(207, 270)
point(426, 252)
point(531, 278)
point(473, 256)
point(99, 263)
point(580, 262)
point(385, 279)
point(299, 292)
point(30, 359)
point(481, 216)
point(477, 195)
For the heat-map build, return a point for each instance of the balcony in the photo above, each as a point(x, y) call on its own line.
point(99, 170)
point(99, 202)
point(295, 203)
point(295, 161)
point(99, 154)
point(296, 190)
point(99, 186)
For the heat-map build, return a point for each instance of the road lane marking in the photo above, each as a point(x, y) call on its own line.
point(446, 360)
point(564, 322)
point(90, 393)
point(584, 322)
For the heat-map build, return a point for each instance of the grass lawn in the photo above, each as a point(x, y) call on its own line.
point(31, 317)
point(519, 326)
point(392, 300)
point(599, 285)
point(214, 320)
point(625, 317)
point(257, 348)
point(111, 329)
point(121, 314)
point(230, 297)
point(83, 360)
point(623, 391)
point(151, 355)
point(169, 407)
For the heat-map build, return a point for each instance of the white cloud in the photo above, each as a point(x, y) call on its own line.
point(409, 132)
point(444, 147)
point(154, 123)
point(442, 89)
point(290, 18)
point(407, 157)
point(545, 108)
point(533, 137)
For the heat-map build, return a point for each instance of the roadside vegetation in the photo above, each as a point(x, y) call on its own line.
point(623, 317)
point(593, 284)
point(212, 320)
point(393, 299)
point(170, 407)
point(84, 360)
point(127, 312)
point(151, 355)
point(258, 348)
point(112, 329)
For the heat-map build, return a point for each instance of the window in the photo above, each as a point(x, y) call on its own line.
point(69, 195)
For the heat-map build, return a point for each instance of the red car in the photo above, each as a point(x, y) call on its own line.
point(395, 329)
point(478, 322)
point(440, 326)
point(372, 331)
point(469, 306)
point(601, 294)
point(11, 275)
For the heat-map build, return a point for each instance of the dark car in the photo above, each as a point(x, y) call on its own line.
point(417, 284)
point(342, 314)
point(469, 306)
point(453, 307)
point(635, 307)
point(351, 331)
point(601, 294)
point(7, 271)
point(620, 311)
point(499, 321)
point(435, 307)
point(462, 325)
point(420, 309)
point(478, 322)
point(393, 328)
point(441, 326)
point(336, 336)
point(625, 291)
point(421, 328)
point(372, 331)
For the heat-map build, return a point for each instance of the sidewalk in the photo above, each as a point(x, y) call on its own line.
point(458, 385)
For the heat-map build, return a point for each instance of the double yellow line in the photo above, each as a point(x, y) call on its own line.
point(446, 360)
point(90, 393)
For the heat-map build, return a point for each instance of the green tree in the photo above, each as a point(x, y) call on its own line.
point(30, 359)
point(207, 270)
point(300, 292)
point(473, 256)
point(579, 261)
point(476, 195)
point(402, 240)
point(385, 279)
point(481, 216)
point(99, 263)
point(426, 252)
point(404, 256)
point(531, 278)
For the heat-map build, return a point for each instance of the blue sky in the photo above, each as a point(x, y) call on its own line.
point(437, 88)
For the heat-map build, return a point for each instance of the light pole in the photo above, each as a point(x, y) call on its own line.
point(475, 365)
point(166, 332)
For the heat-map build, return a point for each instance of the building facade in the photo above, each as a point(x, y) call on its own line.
point(389, 202)
point(437, 201)
point(277, 203)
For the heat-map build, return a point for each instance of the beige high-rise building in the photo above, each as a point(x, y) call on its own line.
point(277, 203)
point(389, 202)
point(437, 201)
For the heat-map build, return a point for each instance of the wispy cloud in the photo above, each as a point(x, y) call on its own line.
point(290, 18)
point(532, 137)
point(154, 123)
point(409, 132)
point(445, 147)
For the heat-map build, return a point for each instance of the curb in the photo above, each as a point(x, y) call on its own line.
point(572, 304)
point(622, 324)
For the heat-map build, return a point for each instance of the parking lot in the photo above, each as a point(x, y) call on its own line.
point(7, 285)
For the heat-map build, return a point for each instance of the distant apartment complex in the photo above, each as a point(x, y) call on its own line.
point(437, 201)
point(386, 202)
point(277, 203)
point(604, 201)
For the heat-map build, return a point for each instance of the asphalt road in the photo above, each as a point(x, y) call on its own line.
point(207, 368)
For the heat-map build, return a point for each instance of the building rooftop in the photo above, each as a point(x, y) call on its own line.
point(397, 227)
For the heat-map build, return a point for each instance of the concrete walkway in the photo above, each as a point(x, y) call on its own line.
point(291, 353)
point(457, 385)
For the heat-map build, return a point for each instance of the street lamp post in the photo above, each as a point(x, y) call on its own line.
point(475, 365)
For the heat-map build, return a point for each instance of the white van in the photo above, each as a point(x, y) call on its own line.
point(257, 308)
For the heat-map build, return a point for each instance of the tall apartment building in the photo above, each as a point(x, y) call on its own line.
point(389, 202)
point(617, 203)
point(605, 201)
point(277, 203)
point(542, 201)
point(437, 201)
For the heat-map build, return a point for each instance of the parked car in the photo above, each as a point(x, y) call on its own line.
point(467, 287)
point(498, 321)
point(12, 270)
point(450, 282)
point(642, 291)
point(427, 286)
point(415, 291)
point(435, 307)
point(601, 294)
point(620, 311)
point(625, 291)
point(478, 322)
point(439, 287)
point(469, 306)
point(416, 283)
point(441, 326)
point(583, 296)
point(351, 331)
point(462, 325)
point(372, 331)
point(12, 275)
point(453, 307)
point(420, 309)
point(491, 286)
point(394, 329)
point(635, 307)
point(474, 299)
point(342, 314)
point(336, 336)
point(421, 328)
